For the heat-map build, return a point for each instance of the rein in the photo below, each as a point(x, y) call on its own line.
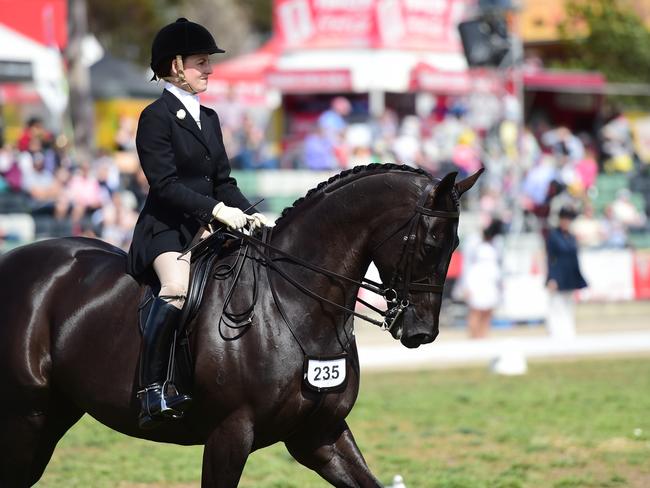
point(397, 301)
point(270, 261)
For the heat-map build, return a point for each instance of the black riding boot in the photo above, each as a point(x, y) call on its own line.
point(156, 405)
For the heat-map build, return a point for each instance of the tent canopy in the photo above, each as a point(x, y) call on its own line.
point(42, 21)
point(385, 70)
point(332, 70)
point(47, 66)
point(363, 46)
point(564, 81)
point(250, 67)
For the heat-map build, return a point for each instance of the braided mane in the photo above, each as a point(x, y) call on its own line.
point(375, 167)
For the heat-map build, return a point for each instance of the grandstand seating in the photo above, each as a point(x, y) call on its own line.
point(607, 187)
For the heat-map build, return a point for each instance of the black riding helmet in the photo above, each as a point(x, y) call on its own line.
point(181, 37)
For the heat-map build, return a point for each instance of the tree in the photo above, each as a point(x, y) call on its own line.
point(80, 101)
point(227, 21)
point(125, 28)
point(260, 14)
point(615, 41)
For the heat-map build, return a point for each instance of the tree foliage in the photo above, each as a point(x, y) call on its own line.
point(260, 15)
point(226, 20)
point(125, 28)
point(616, 41)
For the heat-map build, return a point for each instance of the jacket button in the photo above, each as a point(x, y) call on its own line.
point(207, 157)
point(207, 178)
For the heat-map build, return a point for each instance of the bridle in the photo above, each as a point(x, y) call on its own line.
point(396, 296)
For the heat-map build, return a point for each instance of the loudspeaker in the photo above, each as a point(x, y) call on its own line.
point(485, 40)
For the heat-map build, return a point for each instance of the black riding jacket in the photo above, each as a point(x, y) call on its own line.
point(188, 173)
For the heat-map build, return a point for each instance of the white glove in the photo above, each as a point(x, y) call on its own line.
point(233, 217)
point(258, 220)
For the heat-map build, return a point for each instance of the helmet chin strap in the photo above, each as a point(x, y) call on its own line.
point(180, 78)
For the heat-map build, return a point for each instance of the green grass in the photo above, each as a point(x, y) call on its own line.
point(563, 425)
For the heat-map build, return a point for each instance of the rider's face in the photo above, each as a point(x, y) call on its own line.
point(197, 68)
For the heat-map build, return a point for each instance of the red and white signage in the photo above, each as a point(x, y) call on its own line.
point(392, 24)
point(19, 93)
point(310, 81)
point(428, 78)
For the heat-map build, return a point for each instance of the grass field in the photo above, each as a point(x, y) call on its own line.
point(568, 424)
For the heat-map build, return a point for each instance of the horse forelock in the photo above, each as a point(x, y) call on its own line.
point(349, 175)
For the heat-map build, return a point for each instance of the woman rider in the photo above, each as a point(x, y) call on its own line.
point(181, 151)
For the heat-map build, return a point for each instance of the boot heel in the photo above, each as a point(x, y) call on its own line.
point(150, 407)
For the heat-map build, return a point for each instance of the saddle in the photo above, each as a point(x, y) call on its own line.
point(181, 365)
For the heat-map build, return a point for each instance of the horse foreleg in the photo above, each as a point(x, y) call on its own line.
point(226, 452)
point(334, 455)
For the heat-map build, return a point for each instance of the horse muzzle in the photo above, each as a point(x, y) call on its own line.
point(412, 331)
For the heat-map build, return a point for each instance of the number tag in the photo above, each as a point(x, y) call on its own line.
point(325, 374)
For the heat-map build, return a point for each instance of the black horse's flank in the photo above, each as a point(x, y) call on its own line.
point(69, 340)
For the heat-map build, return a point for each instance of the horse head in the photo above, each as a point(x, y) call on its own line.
point(413, 259)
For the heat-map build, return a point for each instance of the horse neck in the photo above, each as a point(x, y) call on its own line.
point(336, 228)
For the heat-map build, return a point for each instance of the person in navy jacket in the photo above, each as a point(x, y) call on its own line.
point(564, 276)
point(181, 150)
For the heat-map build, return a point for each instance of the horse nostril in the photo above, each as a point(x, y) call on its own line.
point(424, 338)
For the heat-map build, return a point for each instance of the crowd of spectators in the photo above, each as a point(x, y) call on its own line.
point(68, 195)
point(529, 175)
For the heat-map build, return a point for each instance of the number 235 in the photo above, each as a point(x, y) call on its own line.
point(326, 372)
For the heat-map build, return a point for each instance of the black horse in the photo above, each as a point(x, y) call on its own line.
point(69, 341)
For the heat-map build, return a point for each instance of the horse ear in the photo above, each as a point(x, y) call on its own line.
point(446, 183)
point(464, 185)
point(443, 189)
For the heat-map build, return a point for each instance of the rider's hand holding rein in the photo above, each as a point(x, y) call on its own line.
point(258, 220)
point(232, 217)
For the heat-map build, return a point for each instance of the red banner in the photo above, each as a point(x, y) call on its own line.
point(19, 93)
point(392, 24)
point(641, 275)
point(45, 21)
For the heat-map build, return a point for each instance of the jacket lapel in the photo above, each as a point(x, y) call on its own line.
point(188, 123)
point(207, 127)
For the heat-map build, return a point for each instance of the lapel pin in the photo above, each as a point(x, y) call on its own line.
point(181, 114)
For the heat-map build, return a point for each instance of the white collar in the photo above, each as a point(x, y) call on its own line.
point(191, 102)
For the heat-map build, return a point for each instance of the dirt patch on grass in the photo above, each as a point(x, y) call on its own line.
point(619, 444)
